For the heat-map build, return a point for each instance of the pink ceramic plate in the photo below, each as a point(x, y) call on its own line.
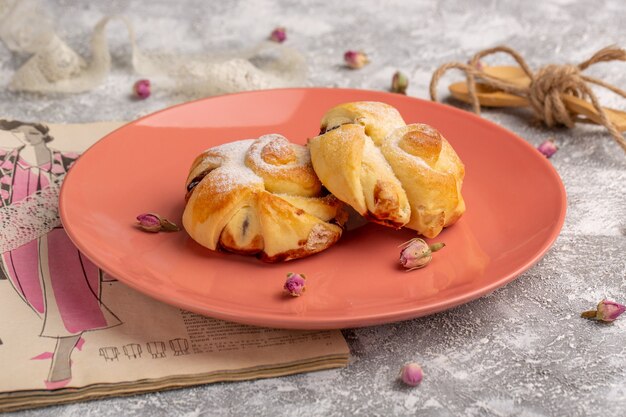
point(515, 210)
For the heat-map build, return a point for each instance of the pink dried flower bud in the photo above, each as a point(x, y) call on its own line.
point(416, 253)
point(295, 284)
point(151, 222)
point(399, 83)
point(279, 35)
point(142, 89)
point(355, 59)
point(607, 311)
point(411, 374)
point(547, 148)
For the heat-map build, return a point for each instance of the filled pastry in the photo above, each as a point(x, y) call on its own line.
point(395, 174)
point(260, 197)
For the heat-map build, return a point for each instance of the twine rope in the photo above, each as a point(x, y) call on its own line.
point(546, 87)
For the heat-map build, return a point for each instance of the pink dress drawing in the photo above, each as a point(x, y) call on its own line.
point(58, 282)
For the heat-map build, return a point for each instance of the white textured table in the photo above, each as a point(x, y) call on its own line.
point(522, 351)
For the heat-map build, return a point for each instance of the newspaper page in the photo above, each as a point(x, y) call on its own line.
point(70, 332)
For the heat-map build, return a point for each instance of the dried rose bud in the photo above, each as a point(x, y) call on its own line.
point(417, 253)
point(411, 374)
point(607, 311)
point(547, 148)
point(355, 59)
point(142, 89)
point(279, 35)
point(151, 222)
point(295, 284)
point(399, 83)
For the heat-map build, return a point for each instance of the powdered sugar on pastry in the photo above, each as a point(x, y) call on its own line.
point(232, 171)
point(260, 197)
point(274, 152)
point(229, 177)
point(284, 166)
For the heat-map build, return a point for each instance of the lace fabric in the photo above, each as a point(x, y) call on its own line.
point(56, 68)
point(31, 217)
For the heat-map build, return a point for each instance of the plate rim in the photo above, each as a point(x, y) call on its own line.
point(305, 322)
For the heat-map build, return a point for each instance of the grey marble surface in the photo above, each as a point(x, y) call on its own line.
point(521, 351)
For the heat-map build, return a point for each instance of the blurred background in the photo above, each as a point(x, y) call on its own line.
point(413, 37)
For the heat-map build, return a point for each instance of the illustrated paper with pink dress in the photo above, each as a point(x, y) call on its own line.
point(53, 278)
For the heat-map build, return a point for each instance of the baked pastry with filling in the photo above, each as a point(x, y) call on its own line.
point(260, 197)
point(395, 174)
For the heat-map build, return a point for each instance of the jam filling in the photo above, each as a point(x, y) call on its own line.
point(194, 182)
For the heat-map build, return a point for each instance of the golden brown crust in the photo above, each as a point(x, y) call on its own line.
point(432, 175)
point(355, 171)
point(423, 142)
point(232, 204)
point(285, 167)
point(206, 161)
point(378, 119)
point(227, 243)
point(429, 173)
point(386, 202)
point(336, 157)
point(278, 152)
point(290, 228)
point(243, 234)
point(329, 237)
